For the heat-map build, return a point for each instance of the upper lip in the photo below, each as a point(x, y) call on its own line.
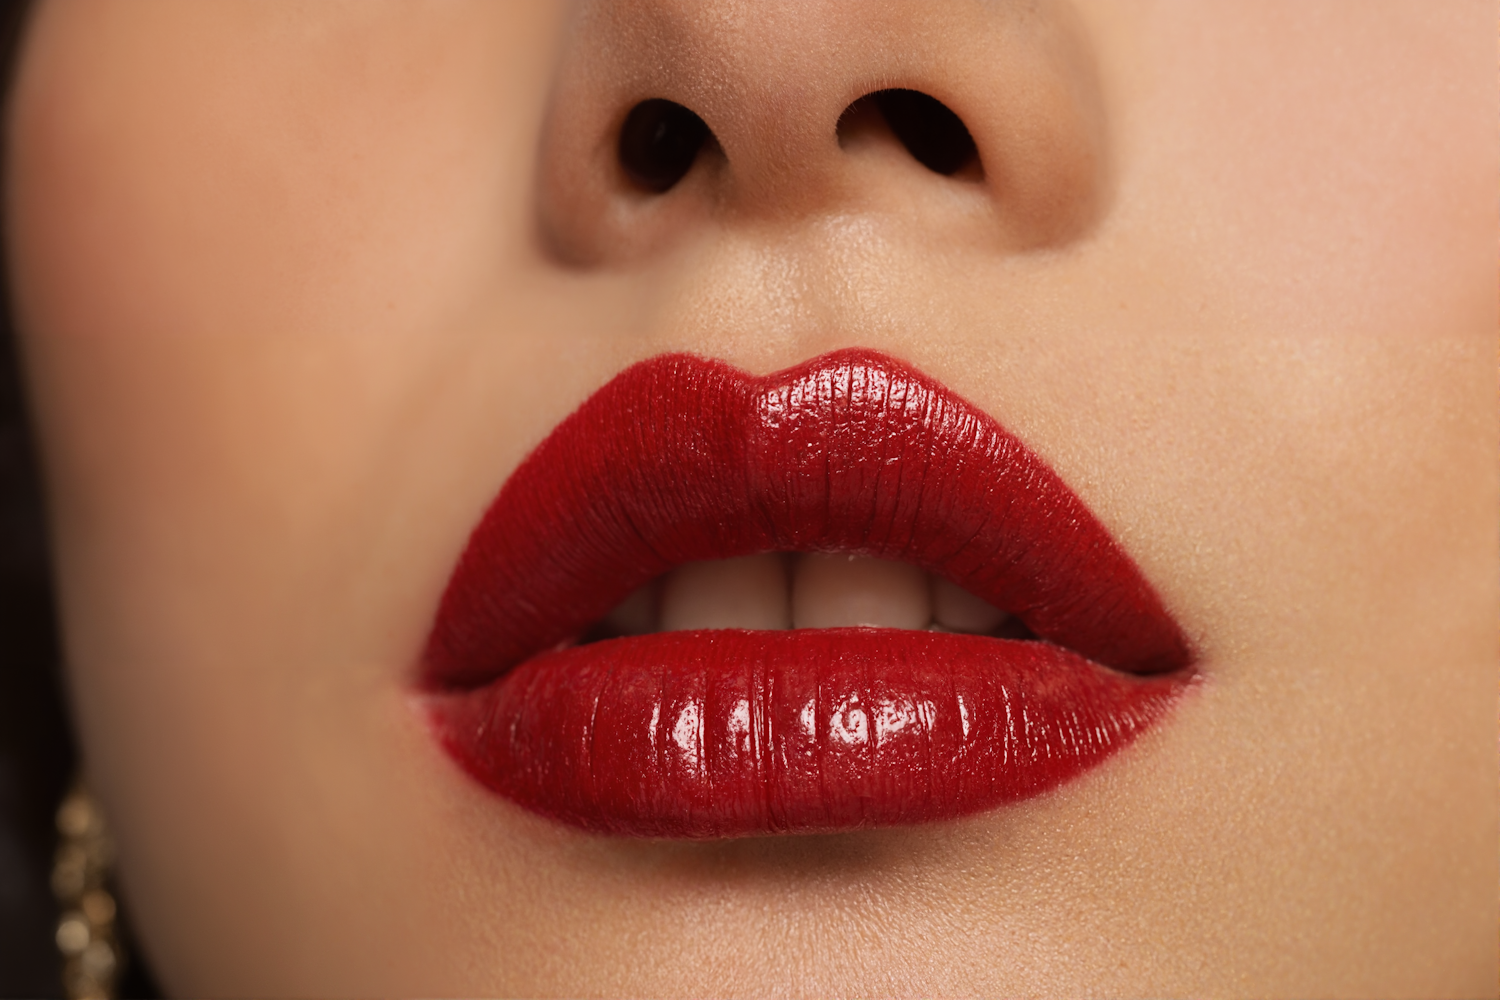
point(851, 451)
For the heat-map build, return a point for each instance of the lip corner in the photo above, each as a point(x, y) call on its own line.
point(680, 459)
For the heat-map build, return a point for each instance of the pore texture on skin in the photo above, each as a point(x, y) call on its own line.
point(301, 286)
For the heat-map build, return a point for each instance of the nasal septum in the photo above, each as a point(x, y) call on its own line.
point(980, 126)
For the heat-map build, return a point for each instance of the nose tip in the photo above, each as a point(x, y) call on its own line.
point(672, 117)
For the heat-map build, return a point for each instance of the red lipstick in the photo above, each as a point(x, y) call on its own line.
point(730, 732)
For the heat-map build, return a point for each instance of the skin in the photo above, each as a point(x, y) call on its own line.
point(300, 284)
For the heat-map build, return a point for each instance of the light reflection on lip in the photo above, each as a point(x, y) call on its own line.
point(728, 732)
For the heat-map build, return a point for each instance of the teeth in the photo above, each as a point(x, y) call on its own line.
point(957, 610)
point(749, 592)
point(826, 590)
point(831, 590)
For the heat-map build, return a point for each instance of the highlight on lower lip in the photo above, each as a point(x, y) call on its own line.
point(731, 732)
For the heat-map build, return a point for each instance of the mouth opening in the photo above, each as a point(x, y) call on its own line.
point(802, 590)
point(849, 492)
point(797, 542)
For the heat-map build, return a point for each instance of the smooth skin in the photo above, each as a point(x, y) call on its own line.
point(301, 283)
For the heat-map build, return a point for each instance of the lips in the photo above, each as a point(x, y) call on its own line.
point(732, 732)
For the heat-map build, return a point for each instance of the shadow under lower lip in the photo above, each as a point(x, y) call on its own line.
point(733, 733)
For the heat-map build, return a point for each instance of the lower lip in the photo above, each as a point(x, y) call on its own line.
point(732, 733)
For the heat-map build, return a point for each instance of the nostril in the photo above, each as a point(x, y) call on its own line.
point(935, 136)
point(659, 142)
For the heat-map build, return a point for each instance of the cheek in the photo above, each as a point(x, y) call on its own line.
point(239, 263)
point(1339, 180)
point(267, 178)
point(284, 324)
point(245, 245)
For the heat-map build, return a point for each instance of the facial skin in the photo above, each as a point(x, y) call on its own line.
point(301, 284)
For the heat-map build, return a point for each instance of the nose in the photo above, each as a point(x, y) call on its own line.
point(980, 122)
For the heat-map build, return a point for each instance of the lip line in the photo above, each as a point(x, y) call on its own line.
point(724, 733)
point(450, 660)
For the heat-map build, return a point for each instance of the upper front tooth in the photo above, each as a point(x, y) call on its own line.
point(833, 590)
point(955, 608)
point(748, 592)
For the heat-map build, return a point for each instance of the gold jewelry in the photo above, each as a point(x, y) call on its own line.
point(92, 958)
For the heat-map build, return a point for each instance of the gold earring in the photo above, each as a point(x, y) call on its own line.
point(92, 958)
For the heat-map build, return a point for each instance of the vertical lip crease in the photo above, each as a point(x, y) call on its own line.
point(681, 458)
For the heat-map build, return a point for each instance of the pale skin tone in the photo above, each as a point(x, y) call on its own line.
point(300, 285)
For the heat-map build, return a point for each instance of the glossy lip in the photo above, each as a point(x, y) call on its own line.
point(730, 732)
